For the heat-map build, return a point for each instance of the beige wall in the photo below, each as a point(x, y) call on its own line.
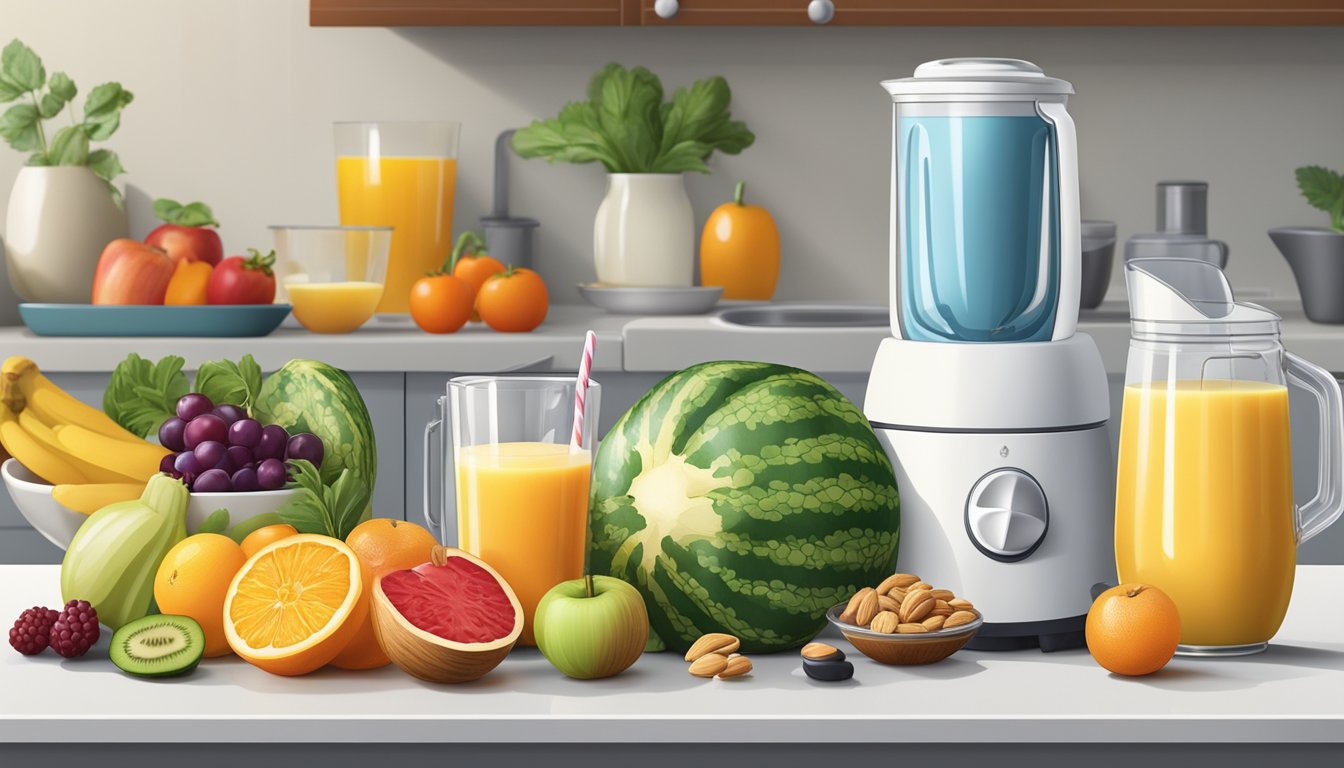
point(234, 99)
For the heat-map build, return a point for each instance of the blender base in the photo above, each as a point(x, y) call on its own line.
point(1048, 636)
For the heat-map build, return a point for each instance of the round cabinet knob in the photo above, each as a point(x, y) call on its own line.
point(1007, 515)
point(821, 11)
point(666, 9)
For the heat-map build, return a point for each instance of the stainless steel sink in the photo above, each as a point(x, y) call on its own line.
point(808, 316)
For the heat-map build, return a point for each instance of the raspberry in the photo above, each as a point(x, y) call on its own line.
point(75, 630)
point(32, 632)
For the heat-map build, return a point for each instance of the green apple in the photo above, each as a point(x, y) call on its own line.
point(588, 636)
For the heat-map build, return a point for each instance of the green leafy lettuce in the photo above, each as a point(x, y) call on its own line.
point(626, 125)
point(142, 395)
point(224, 381)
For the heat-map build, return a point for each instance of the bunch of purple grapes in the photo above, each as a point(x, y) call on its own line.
point(219, 449)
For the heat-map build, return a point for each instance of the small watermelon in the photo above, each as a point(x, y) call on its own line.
point(745, 498)
point(308, 396)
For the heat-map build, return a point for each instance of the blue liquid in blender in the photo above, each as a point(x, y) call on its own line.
point(979, 222)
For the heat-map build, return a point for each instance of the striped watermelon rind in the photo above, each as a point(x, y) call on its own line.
point(745, 498)
point(311, 396)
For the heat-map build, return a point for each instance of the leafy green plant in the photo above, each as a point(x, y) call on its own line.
point(332, 510)
point(626, 125)
point(1324, 189)
point(23, 78)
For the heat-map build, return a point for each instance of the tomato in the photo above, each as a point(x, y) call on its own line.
point(243, 281)
point(514, 300)
point(473, 264)
point(441, 303)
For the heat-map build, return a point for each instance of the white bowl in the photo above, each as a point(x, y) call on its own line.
point(58, 523)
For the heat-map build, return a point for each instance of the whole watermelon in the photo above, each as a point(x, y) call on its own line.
point(309, 396)
point(745, 498)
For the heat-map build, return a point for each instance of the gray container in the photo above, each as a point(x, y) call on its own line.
point(1316, 257)
point(1098, 253)
point(1182, 227)
point(507, 238)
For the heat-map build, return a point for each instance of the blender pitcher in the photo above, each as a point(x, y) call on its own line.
point(985, 212)
point(1204, 490)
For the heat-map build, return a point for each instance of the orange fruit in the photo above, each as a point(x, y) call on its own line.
point(193, 580)
point(254, 541)
point(1133, 629)
point(382, 545)
point(295, 604)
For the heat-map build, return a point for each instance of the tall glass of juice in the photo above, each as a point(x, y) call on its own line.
point(401, 175)
point(521, 483)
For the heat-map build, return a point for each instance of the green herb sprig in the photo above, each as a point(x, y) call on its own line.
point(332, 510)
point(23, 78)
point(1324, 189)
point(626, 126)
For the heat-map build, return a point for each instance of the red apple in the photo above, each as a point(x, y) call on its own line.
point(131, 272)
point(188, 243)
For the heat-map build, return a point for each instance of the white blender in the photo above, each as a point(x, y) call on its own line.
point(992, 409)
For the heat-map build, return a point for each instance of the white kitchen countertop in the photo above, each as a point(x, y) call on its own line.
point(1289, 694)
point(625, 342)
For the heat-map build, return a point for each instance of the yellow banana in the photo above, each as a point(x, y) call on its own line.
point(89, 498)
point(135, 461)
point(33, 455)
point(53, 404)
point(46, 435)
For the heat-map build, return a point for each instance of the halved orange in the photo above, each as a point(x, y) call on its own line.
point(296, 604)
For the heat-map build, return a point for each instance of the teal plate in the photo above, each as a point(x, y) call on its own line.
point(234, 320)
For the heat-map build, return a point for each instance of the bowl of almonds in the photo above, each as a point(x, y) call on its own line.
point(905, 620)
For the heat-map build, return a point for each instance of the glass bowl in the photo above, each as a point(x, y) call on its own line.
point(923, 648)
point(333, 276)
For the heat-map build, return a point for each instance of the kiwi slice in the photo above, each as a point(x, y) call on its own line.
point(158, 645)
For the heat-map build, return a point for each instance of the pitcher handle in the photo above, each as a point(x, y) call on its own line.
point(1325, 507)
point(430, 519)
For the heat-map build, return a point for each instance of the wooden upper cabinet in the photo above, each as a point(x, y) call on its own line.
point(447, 13)
point(404, 13)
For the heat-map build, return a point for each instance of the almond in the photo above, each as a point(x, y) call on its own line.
point(934, 623)
point(961, 605)
point(896, 593)
point(714, 642)
point(904, 580)
point(919, 585)
point(943, 594)
point(958, 619)
point(709, 665)
point(852, 609)
point(941, 608)
point(885, 622)
point(917, 605)
point(737, 666)
point(819, 651)
point(887, 603)
point(911, 629)
point(868, 608)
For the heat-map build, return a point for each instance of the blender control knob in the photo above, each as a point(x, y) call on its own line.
point(1007, 515)
point(821, 11)
point(666, 9)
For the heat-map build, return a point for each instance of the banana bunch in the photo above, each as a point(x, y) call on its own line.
point(90, 459)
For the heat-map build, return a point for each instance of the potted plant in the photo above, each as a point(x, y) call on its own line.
point(63, 208)
point(1316, 254)
point(644, 233)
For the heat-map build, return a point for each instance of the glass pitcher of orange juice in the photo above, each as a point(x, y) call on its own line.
point(1204, 490)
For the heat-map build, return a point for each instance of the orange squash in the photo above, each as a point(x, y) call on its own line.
point(739, 249)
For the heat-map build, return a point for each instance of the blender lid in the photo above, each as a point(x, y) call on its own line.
point(977, 77)
point(1189, 297)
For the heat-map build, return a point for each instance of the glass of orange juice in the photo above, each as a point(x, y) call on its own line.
point(521, 487)
point(401, 175)
point(331, 276)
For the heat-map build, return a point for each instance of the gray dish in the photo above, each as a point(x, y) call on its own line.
point(691, 300)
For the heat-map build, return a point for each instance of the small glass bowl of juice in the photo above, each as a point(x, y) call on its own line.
point(332, 276)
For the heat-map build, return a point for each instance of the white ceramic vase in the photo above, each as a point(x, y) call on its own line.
point(644, 234)
point(59, 221)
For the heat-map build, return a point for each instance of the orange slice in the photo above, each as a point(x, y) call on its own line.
point(295, 604)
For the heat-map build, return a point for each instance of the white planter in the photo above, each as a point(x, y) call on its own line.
point(58, 223)
point(644, 234)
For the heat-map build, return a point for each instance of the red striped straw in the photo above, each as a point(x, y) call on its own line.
point(581, 386)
